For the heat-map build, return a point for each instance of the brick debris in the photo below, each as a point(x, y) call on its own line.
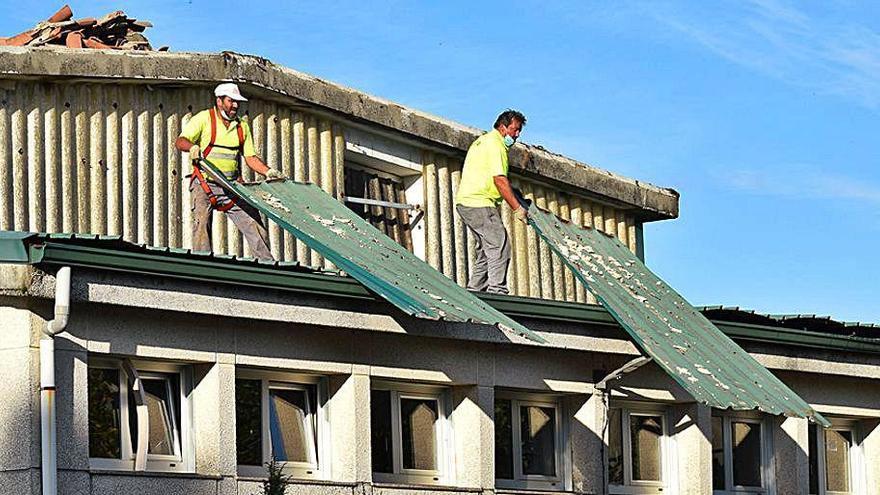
point(114, 31)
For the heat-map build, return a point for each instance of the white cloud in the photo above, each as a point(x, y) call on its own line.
point(774, 38)
point(803, 182)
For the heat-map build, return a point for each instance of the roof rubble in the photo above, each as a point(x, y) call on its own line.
point(114, 31)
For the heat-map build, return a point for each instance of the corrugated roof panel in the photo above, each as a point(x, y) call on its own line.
point(371, 257)
point(695, 353)
point(808, 322)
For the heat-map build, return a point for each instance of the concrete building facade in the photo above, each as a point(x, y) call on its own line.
point(221, 362)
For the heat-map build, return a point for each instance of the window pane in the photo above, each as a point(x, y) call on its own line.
point(717, 453)
point(104, 414)
point(814, 460)
point(418, 417)
point(288, 425)
point(646, 433)
point(380, 430)
point(746, 454)
point(615, 448)
point(368, 184)
point(837, 447)
point(160, 408)
point(503, 440)
point(248, 422)
point(538, 438)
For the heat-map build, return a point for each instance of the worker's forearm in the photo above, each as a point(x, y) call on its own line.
point(183, 144)
point(256, 164)
point(506, 191)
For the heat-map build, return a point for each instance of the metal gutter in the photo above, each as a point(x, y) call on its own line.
point(157, 263)
point(16, 247)
point(546, 309)
point(797, 338)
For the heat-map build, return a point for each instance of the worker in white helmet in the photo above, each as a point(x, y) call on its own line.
point(220, 136)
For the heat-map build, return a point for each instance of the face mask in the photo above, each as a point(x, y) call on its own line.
point(508, 141)
point(225, 117)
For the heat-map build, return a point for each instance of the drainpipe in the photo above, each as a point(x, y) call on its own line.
point(47, 381)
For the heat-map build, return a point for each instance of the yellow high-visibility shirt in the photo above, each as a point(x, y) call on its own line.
point(224, 155)
point(486, 158)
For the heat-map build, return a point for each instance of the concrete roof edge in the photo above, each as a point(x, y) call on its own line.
point(647, 201)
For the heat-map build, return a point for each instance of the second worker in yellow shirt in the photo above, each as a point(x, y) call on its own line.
point(483, 186)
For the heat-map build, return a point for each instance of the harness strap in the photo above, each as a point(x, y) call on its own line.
point(197, 172)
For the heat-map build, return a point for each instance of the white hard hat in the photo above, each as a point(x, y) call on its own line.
point(230, 90)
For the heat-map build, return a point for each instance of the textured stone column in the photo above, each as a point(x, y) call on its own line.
point(349, 411)
point(869, 429)
point(587, 443)
point(691, 427)
point(213, 412)
point(19, 403)
point(473, 412)
point(790, 452)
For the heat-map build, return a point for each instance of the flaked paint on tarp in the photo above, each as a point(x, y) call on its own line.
point(368, 255)
point(695, 353)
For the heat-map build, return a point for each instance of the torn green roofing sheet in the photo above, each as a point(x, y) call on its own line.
point(695, 353)
point(363, 252)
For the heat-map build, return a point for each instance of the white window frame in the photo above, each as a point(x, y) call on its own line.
point(442, 434)
point(291, 381)
point(856, 461)
point(559, 482)
point(768, 479)
point(135, 457)
point(630, 486)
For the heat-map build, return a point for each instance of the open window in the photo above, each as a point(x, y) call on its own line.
point(139, 417)
point(638, 450)
point(280, 416)
point(741, 460)
point(529, 442)
point(379, 197)
point(409, 434)
point(835, 460)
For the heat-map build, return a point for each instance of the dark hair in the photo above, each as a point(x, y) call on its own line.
point(509, 116)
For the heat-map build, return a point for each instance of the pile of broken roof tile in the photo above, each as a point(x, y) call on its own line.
point(113, 31)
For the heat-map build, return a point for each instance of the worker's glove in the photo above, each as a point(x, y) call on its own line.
point(195, 152)
point(274, 173)
point(522, 215)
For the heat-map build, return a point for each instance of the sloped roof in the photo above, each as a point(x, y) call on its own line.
point(647, 202)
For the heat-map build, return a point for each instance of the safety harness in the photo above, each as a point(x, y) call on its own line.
point(197, 172)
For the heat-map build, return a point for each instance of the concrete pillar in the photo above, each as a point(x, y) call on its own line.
point(588, 418)
point(790, 454)
point(473, 413)
point(19, 405)
point(870, 433)
point(213, 412)
point(71, 407)
point(690, 425)
point(349, 413)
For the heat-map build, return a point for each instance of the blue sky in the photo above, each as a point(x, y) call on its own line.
point(762, 114)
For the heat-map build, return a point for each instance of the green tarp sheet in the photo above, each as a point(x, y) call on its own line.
point(363, 252)
point(695, 353)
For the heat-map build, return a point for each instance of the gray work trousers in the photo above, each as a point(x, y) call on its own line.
point(489, 272)
point(245, 217)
